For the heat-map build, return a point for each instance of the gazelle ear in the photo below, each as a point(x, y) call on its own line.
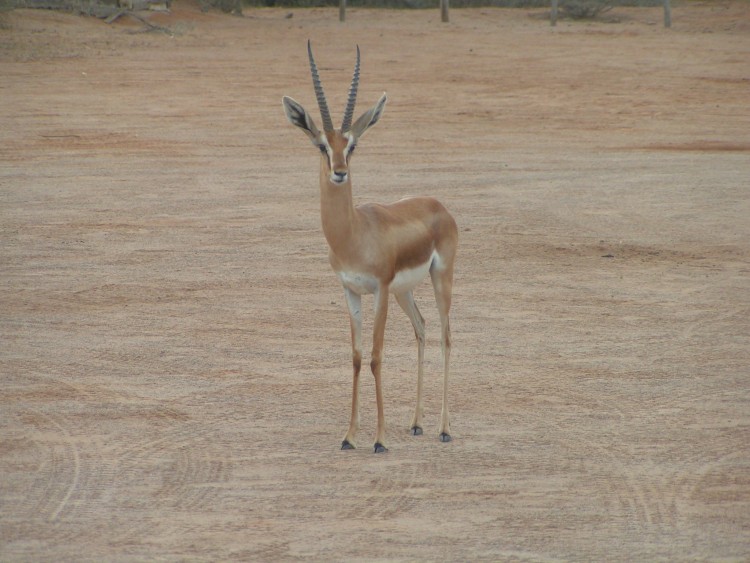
point(298, 116)
point(369, 118)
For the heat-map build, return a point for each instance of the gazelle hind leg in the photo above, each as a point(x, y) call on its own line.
point(354, 304)
point(406, 300)
point(442, 283)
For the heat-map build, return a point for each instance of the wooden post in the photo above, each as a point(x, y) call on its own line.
point(553, 13)
point(667, 14)
point(342, 10)
point(444, 11)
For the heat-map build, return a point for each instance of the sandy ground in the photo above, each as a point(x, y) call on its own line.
point(175, 357)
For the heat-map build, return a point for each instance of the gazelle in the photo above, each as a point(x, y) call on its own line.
point(379, 249)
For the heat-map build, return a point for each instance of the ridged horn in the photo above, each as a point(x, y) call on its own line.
point(324, 113)
point(349, 113)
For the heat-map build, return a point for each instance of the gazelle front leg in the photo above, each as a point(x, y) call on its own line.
point(406, 300)
point(354, 304)
point(378, 335)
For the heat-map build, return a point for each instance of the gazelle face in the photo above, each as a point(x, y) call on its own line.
point(336, 145)
point(336, 149)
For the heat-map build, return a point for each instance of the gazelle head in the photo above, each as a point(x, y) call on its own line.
point(335, 145)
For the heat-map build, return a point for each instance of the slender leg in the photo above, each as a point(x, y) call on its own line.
point(354, 303)
point(381, 313)
point(406, 300)
point(442, 283)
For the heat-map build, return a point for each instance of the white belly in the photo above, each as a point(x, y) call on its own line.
point(406, 280)
point(403, 281)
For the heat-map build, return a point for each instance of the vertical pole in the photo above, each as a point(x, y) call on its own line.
point(667, 14)
point(444, 11)
point(342, 10)
point(553, 14)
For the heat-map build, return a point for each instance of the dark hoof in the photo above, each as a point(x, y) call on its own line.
point(380, 448)
point(345, 445)
point(416, 431)
point(444, 437)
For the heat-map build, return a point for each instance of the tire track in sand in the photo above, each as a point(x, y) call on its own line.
point(182, 467)
point(394, 491)
point(44, 471)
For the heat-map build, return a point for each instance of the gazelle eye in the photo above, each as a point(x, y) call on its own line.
point(351, 149)
point(323, 149)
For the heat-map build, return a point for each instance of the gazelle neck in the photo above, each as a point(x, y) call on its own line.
point(337, 213)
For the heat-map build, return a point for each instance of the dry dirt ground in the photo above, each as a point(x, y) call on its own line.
point(175, 349)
